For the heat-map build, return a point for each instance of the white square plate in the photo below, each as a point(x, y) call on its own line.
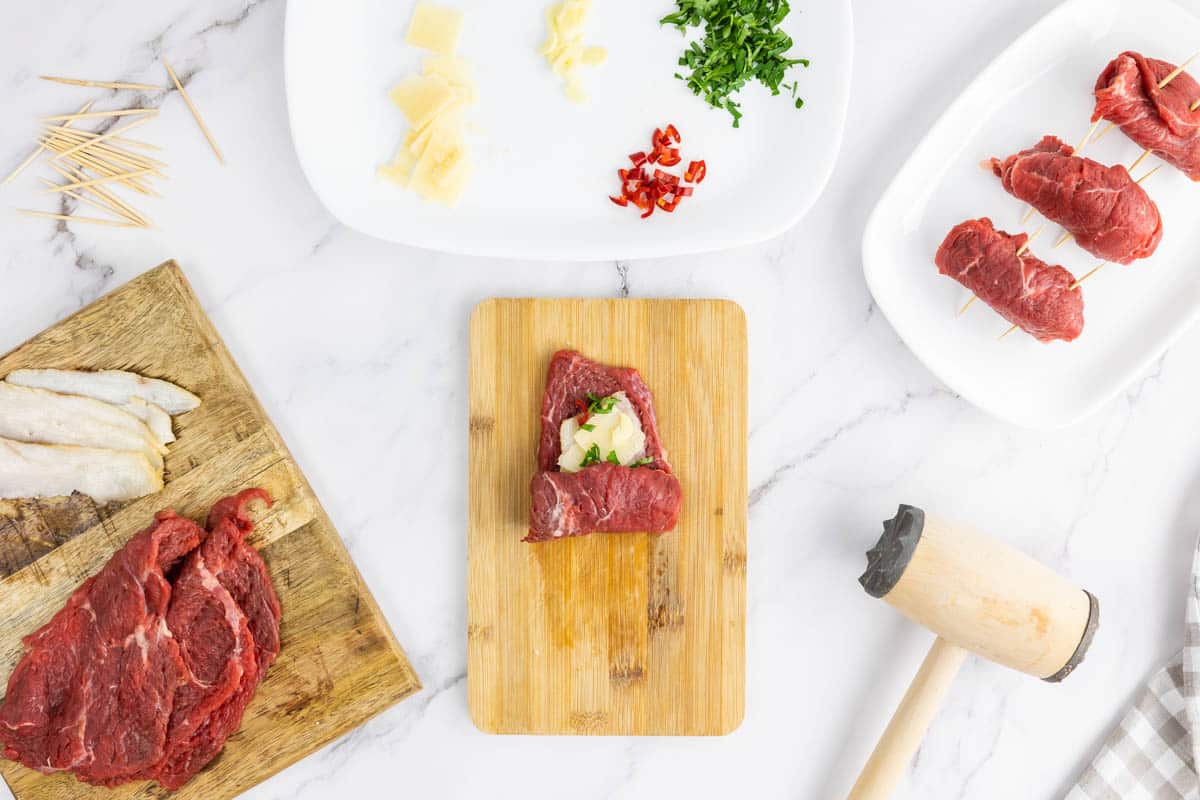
point(546, 166)
point(1040, 85)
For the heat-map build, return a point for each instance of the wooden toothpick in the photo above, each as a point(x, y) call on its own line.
point(142, 87)
point(120, 112)
point(33, 156)
point(90, 220)
point(195, 111)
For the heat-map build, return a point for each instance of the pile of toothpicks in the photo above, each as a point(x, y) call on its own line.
point(97, 164)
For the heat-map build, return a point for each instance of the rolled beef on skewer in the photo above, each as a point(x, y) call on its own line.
point(1023, 289)
point(1159, 120)
point(1107, 212)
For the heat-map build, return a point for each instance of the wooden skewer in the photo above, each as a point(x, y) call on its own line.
point(1020, 252)
point(195, 111)
point(63, 130)
point(1089, 274)
point(120, 112)
point(144, 87)
point(110, 154)
point(102, 179)
point(104, 136)
point(123, 208)
point(91, 220)
point(1175, 73)
point(82, 198)
point(33, 156)
point(97, 165)
point(66, 147)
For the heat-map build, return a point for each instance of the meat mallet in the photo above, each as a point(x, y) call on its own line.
point(980, 596)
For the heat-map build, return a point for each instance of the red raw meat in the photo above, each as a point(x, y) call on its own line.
point(570, 378)
point(1160, 120)
point(149, 667)
point(1023, 289)
point(604, 497)
point(1109, 214)
point(93, 692)
point(218, 639)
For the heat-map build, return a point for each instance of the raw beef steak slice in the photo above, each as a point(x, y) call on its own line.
point(220, 639)
point(93, 691)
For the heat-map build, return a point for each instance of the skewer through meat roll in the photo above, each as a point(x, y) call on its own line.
point(1023, 289)
point(1161, 120)
point(1107, 212)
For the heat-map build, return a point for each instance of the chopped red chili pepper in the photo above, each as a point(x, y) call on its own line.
point(661, 190)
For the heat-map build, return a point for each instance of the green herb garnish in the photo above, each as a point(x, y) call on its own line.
point(612, 458)
point(587, 426)
point(641, 462)
point(592, 456)
point(600, 405)
point(742, 41)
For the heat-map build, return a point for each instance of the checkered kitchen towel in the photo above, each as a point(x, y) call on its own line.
point(1151, 755)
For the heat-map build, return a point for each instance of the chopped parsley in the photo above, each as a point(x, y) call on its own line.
point(641, 462)
point(612, 458)
point(592, 456)
point(587, 426)
point(600, 405)
point(742, 41)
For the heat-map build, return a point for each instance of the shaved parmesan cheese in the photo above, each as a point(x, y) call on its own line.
point(564, 49)
point(434, 28)
point(422, 98)
point(613, 436)
point(455, 71)
point(433, 160)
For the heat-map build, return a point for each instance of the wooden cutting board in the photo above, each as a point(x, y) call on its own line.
point(609, 633)
point(339, 664)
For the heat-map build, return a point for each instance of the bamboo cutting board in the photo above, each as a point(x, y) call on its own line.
point(339, 664)
point(609, 633)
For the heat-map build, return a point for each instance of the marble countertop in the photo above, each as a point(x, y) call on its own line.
point(845, 423)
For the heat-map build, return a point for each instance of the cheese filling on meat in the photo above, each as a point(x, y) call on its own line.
point(611, 432)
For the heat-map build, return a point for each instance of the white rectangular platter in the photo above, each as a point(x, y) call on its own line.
point(1042, 84)
point(545, 166)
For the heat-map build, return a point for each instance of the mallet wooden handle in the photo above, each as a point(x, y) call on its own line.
point(904, 733)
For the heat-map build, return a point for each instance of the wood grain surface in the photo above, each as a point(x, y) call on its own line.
point(609, 633)
point(339, 664)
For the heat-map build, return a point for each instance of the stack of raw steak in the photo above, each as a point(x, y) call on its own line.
point(145, 672)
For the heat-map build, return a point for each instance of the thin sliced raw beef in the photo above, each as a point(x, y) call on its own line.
point(602, 498)
point(1107, 212)
point(93, 692)
point(1023, 289)
point(149, 667)
point(1159, 120)
point(219, 639)
point(570, 378)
